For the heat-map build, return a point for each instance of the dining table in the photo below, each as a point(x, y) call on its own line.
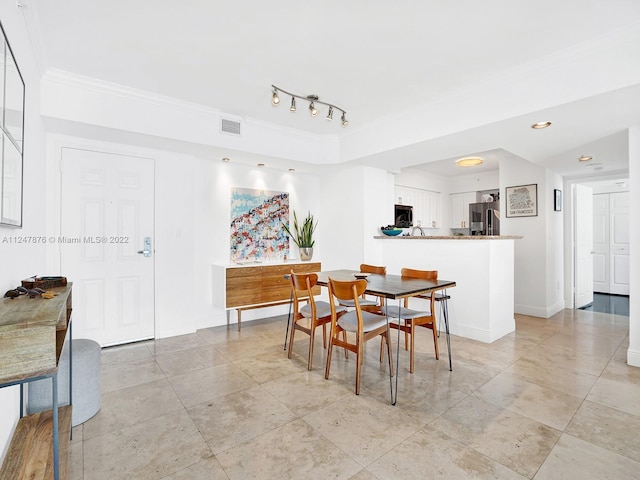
point(396, 287)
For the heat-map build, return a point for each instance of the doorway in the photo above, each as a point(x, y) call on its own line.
point(609, 247)
point(106, 243)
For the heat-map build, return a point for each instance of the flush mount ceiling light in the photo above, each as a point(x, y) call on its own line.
point(225, 159)
point(585, 158)
point(313, 100)
point(469, 161)
point(540, 125)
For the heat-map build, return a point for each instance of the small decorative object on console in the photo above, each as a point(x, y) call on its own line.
point(44, 282)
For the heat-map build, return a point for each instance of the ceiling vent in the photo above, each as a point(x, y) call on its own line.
point(229, 126)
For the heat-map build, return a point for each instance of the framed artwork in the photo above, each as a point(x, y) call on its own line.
point(557, 200)
point(256, 225)
point(522, 201)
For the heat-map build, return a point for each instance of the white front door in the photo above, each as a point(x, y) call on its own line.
point(107, 211)
point(583, 241)
point(620, 275)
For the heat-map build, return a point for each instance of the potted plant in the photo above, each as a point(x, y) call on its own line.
point(302, 235)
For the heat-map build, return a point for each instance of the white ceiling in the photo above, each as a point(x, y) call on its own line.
point(385, 63)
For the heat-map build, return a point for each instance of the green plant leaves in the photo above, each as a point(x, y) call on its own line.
point(302, 234)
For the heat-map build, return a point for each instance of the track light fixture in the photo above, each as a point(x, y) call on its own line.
point(313, 100)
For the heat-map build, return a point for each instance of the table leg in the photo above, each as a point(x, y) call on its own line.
point(445, 315)
point(390, 354)
point(394, 399)
point(56, 448)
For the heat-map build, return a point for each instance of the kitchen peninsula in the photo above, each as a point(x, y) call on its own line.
point(481, 308)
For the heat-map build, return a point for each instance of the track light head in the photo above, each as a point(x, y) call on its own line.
point(313, 109)
point(344, 120)
point(275, 99)
point(292, 108)
point(330, 114)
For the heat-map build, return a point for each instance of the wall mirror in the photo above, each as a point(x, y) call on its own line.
point(12, 128)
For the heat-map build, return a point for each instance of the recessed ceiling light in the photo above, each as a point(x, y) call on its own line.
point(540, 125)
point(261, 164)
point(292, 169)
point(469, 161)
point(585, 158)
point(225, 159)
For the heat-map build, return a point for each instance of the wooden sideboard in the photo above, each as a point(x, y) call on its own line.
point(32, 334)
point(256, 286)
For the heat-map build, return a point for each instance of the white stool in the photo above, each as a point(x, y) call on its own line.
point(86, 383)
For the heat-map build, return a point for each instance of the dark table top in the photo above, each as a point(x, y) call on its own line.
point(389, 286)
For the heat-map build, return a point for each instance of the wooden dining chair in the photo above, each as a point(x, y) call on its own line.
point(368, 304)
point(308, 314)
point(362, 324)
point(409, 319)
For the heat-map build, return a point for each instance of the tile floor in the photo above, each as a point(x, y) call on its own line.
point(553, 400)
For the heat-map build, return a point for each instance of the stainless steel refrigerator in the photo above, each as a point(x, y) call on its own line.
point(484, 218)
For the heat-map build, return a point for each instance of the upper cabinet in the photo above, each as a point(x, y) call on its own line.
point(427, 205)
point(460, 208)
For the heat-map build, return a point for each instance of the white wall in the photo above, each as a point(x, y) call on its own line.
point(554, 258)
point(475, 182)
point(633, 354)
point(530, 252)
point(356, 201)
point(23, 260)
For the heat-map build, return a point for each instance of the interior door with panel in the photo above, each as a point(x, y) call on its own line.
point(583, 245)
point(107, 224)
point(620, 275)
point(601, 278)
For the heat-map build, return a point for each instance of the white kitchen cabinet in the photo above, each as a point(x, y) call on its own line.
point(460, 208)
point(426, 205)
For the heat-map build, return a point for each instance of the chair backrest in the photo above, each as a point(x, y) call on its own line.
point(301, 288)
point(346, 290)
point(364, 268)
point(424, 274)
point(303, 281)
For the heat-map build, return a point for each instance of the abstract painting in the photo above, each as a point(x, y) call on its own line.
point(256, 225)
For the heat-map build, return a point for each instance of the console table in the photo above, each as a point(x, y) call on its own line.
point(32, 334)
point(245, 287)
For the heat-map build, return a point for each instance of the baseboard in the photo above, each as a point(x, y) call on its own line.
point(481, 334)
point(541, 312)
point(633, 357)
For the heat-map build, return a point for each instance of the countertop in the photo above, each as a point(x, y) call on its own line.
point(449, 237)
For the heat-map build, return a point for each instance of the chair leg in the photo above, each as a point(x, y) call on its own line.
point(293, 332)
point(406, 335)
point(344, 339)
point(324, 335)
point(412, 349)
point(387, 336)
point(435, 340)
point(358, 367)
point(312, 337)
point(330, 349)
